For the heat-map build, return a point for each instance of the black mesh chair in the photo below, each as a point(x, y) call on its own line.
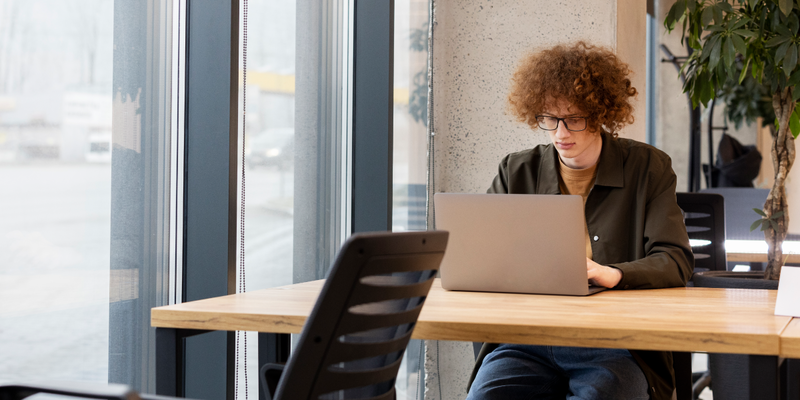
point(704, 214)
point(353, 342)
point(78, 390)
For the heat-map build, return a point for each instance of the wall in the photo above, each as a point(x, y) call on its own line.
point(476, 46)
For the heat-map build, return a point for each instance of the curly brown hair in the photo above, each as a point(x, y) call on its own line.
point(588, 77)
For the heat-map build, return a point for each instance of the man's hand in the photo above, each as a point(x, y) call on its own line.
point(601, 275)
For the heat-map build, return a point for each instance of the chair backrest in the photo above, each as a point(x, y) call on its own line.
point(739, 214)
point(704, 214)
point(355, 337)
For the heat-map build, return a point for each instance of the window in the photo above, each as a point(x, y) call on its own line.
point(410, 152)
point(73, 148)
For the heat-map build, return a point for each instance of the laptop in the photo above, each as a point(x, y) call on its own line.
point(514, 243)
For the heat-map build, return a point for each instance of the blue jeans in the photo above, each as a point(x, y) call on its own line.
point(550, 372)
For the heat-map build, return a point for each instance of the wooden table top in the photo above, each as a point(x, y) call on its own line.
point(759, 257)
point(681, 319)
point(790, 340)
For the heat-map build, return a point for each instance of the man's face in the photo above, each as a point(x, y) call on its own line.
point(578, 149)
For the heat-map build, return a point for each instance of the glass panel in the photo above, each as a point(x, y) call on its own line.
point(410, 114)
point(294, 148)
point(410, 151)
point(55, 185)
point(64, 187)
point(54, 234)
point(270, 142)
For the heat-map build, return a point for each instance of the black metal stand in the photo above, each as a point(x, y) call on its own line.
point(694, 124)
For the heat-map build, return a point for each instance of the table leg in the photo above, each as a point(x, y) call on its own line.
point(764, 377)
point(792, 378)
point(170, 368)
point(273, 348)
point(682, 363)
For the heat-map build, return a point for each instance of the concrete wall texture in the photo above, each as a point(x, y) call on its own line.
point(476, 47)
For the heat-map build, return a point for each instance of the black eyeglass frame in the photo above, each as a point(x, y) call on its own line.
point(561, 120)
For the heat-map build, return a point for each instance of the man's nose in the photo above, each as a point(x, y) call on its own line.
point(562, 131)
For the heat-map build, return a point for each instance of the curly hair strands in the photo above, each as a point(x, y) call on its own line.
point(590, 78)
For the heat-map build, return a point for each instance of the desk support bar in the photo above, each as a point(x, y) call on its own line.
point(170, 360)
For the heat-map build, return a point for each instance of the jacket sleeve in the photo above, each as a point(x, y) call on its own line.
point(668, 260)
point(500, 182)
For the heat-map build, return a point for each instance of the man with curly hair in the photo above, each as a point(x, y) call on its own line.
point(635, 235)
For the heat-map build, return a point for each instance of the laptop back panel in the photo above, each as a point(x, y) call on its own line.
point(513, 243)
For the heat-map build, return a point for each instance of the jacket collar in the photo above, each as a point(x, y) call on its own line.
point(609, 167)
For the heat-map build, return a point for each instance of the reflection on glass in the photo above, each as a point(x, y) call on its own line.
point(410, 150)
point(55, 185)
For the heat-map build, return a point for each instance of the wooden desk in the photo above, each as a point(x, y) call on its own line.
point(679, 319)
point(756, 251)
point(759, 257)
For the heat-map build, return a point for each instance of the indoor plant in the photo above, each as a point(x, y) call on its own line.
point(762, 35)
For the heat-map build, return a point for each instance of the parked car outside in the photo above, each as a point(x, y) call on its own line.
point(272, 147)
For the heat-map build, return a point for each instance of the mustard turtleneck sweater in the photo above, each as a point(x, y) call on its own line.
point(578, 182)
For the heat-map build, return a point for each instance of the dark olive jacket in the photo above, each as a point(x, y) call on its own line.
point(634, 224)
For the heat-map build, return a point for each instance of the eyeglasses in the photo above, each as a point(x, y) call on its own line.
point(550, 123)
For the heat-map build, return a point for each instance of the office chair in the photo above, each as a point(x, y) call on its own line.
point(78, 390)
point(353, 342)
point(704, 214)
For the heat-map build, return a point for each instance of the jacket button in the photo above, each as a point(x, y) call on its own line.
point(596, 238)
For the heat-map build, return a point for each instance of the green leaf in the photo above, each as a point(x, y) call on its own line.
point(774, 226)
point(675, 13)
point(709, 46)
point(781, 52)
point(715, 28)
point(741, 47)
point(782, 30)
point(790, 61)
point(706, 16)
point(714, 58)
point(744, 71)
point(717, 13)
point(760, 212)
point(776, 41)
point(729, 52)
point(786, 6)
point(794, 125)
point(692, 5)
point(777, 215)
point(795, 95)
point(744, 32)
point(795, 79)
point(793, 24)
point(724, 6)
point(764, 225)
point(755, 224)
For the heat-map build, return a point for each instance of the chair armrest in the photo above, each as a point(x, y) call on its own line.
point(270, 376)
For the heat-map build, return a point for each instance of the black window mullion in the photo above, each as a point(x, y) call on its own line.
point(210, 185)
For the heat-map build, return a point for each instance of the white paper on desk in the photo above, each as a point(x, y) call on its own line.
point(788, 303)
